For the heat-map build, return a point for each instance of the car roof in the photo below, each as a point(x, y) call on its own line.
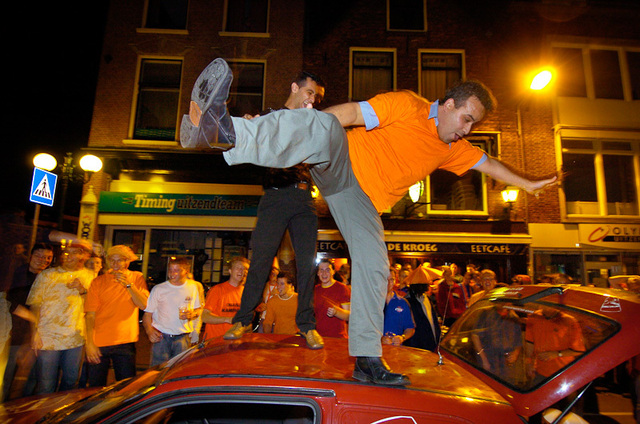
point(287, 357)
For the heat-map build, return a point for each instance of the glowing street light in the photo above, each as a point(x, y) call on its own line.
point(541, 80)
point(45, 161)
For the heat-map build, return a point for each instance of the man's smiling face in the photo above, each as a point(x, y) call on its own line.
point(455, 123)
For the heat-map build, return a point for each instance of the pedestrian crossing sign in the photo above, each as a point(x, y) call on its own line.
point(43, 187)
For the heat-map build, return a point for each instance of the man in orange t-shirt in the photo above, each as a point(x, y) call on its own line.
point(401, 138)
point(223, 300)
point(554, 339)
point(112, 314)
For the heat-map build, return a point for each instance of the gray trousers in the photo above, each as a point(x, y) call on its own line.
point(286, 138)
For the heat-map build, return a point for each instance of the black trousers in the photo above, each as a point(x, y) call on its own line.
point(281, 209)
point(123, 359)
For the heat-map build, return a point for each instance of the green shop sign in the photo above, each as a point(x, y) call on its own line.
point(178, 204)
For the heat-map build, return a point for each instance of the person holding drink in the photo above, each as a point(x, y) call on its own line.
point(112, 311)
point(171, 311)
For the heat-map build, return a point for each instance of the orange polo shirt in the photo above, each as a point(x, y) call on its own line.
point(116, 315)
point(403, 149)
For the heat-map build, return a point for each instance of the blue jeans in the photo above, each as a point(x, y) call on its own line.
point(123, 358)
point(169, 347)
point(51, 362)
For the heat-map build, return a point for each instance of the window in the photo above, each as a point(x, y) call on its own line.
point(407, 15)
point(166, 14)
point(438, 71)
point(246, 16)
point(500, 335)
point(606, 74)
point(156, 111)
point(571, 82)
point(445, 193)
point(372, 72)
point(597, 72)
point(599, 177)
point(449, 194)
point(247, 90)
point(633, 61)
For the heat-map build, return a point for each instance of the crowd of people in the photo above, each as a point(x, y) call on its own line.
point(73, 321)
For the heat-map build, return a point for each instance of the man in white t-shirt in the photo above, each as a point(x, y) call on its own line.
point(170, 312)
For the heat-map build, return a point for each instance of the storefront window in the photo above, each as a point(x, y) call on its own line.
point(550, 264)
point(209, 250)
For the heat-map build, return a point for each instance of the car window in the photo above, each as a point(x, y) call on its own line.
point(206, 410)
point(524, 345)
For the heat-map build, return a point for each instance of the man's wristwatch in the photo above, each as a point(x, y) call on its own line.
point(128, 286)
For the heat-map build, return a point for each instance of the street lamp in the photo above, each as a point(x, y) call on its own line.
point(539, 81)
point(509, 196)
point(88, 163)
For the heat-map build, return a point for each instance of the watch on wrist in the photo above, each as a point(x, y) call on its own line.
point(128, 286)
point(559, 354)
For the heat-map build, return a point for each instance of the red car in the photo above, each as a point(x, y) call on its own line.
point(479, 377)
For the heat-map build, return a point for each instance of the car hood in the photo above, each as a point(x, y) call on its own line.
point(609, 322)
point(30, 410)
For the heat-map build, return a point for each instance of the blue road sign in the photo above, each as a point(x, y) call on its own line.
point(43, 187)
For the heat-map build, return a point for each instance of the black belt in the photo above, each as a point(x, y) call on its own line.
point(302, 185)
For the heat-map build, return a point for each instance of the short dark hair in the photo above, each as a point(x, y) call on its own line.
point(41, 246)
point(328, 261)
point(182, 262)
point(287, 276)
point(461, 92)
point(301, 80)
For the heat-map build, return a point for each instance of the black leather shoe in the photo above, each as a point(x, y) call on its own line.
point(376, 370)
point(210, 93)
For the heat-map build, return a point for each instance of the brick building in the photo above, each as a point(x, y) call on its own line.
point(585, 127)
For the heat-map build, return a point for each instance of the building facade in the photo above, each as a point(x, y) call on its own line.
point(585, 127)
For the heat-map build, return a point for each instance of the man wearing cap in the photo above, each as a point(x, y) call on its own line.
point(112, 312)
point(56, 300)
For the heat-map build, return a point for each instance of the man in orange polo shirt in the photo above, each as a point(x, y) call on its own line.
point(112, 313)
point(399, 139)
point(223, 300)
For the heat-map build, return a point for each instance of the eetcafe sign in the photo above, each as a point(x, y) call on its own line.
point(336, 248)
point(461, 248)
point(178, 204)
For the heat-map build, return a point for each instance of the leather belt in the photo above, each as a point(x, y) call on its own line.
point(175, 336)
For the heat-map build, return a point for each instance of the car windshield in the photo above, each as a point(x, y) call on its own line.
point(105, 400)
point(524, 344)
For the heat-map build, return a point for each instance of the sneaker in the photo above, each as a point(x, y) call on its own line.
point(313, 338)
point(214, 128)
point(236, 331)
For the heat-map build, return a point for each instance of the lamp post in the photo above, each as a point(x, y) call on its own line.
point(539, 80)
point(88, 163)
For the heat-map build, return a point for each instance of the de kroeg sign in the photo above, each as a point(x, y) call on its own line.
point(339, 248)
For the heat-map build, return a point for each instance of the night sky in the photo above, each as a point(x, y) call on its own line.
point(53, 58)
